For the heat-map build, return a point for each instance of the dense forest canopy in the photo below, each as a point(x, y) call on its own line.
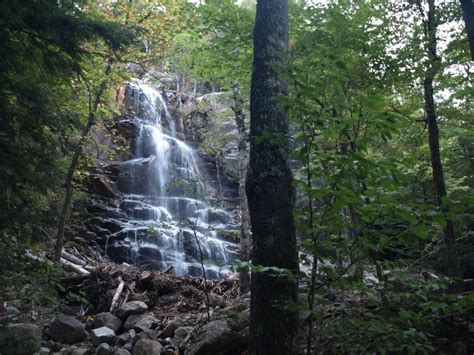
point(352, 124)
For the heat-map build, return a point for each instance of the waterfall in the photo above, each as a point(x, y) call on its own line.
point(169, 221)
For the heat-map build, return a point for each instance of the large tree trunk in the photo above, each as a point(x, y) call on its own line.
point(269, 191)
point(245, 235)
point(433, 137)
point(467, 7)
point(75, 162)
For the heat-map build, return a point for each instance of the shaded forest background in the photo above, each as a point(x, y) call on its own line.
point(375, 230)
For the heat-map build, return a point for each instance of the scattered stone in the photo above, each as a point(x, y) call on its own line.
point(148, 334)
point(126, 337)
point(216, 300)
point(20, 339)
point(129, 308)
point(67, 350)
point(140, 322)
point(215, 337)
point(81, 351)
point(66, 330)
point(103, 335)
point(103, 349)
point(108, 320)
point(128, 347)
point(180, 334)
point(121, 352)
point(147, 347)
point(169, 329)
point(54, 346)
point(131, 320)
point(11, 312)
point(44, 351)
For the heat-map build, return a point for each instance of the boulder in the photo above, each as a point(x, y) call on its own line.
point(103, 349)
point(20, 339)
point(217, 337)
point(129, 308)
point(146, 347)
point(103, 335)
point(66, 330)
point(108, 320)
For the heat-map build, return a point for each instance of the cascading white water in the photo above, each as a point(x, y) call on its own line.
point(169, 221)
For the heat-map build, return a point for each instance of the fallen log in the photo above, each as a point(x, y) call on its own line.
point(75, 268)
point(72, 258)
point(117, 294)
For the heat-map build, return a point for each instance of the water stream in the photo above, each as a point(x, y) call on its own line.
point(169, 220)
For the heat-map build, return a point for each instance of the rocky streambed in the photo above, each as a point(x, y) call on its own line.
point(137, 312)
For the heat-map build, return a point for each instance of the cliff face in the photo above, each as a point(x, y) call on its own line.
point(169, 196)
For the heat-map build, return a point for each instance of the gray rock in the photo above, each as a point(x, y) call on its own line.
point(148, 334)
point(103, 349)
point(121, 352)
point(146, 347)
point(44, 351)
point(215, 337)
point(128, 347)
point(131, 320)
point(216, 300)
point(11, 312)
point(140, 322)
point(81, 351)
point(66, 330)
point(180, 334)
point(54, 346)
point(129, 308)
point(20, 339)
point(108, 320)
point(103, 335)
point(169, 329)
point(67, 350)
point(125, 338)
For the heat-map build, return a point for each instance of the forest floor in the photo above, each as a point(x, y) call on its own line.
point(173, 314)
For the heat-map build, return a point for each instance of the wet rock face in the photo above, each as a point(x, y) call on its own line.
point(101, 186)
point(164, 205)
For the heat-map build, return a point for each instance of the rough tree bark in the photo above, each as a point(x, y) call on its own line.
point(433, 135)
point(245, 235)
point(93, 106)
point(467, 7)
point(269, 191)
